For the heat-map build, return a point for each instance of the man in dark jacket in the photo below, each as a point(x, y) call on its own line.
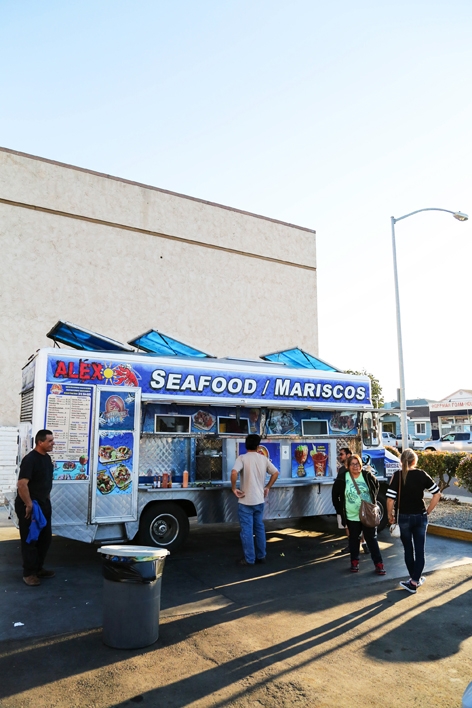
point(35, 484)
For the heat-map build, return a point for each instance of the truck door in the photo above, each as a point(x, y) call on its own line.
point(114, 490)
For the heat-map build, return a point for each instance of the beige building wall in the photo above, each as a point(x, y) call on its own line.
point(119, 258)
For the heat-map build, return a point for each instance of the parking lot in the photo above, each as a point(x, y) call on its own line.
point(299, 631)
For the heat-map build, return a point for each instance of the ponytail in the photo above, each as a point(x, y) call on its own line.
point(409, 458)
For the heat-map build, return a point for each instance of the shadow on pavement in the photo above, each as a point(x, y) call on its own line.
point(305, 576)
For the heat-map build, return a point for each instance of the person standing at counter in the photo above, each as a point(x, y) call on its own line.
point(34, 489)
point(347, 502)
point(253, 469)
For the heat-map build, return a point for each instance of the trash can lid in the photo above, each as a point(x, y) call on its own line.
point(138, 553)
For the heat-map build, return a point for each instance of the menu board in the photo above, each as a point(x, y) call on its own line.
point(310, 460)
point(69, 417)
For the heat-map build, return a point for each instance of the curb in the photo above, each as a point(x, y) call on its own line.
point(450, 532)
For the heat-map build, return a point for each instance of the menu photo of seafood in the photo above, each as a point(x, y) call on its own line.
point(122, 476)
point(343, 422)
point(71, 470)
point(109, 453)
point(105, 482)
point(203, 420)
point(281, 423)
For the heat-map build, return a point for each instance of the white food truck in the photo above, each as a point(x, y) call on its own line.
point(145, 440)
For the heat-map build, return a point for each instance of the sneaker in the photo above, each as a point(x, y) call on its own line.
point(354, 566)
point(421, 581)
point(261, 560)
point(365, 547)
point(31, 580)
point(408, 585)
point(43, 573)
point(243, 561)
point(379, 569)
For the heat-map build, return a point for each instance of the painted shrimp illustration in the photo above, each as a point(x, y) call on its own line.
point(124, 375)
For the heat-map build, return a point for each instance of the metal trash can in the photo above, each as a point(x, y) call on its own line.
point(132, 577)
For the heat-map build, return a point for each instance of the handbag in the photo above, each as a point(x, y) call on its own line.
point(369, 514)
point(395, 528)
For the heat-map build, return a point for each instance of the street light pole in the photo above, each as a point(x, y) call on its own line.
point(403, 413)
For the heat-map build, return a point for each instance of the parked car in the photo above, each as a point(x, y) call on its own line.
point(389, 439)
point(452, 442)
point(413, 442)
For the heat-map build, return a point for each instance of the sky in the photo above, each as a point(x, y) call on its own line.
point(333, 116)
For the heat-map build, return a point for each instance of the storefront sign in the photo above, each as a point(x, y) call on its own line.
point(451, 405)
point(178, 381)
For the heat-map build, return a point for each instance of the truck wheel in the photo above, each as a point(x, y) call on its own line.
point(382, 502)
point(164, 525)
point(430, 449)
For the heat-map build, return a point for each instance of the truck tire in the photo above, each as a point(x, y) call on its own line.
point(430, 449)
point(382, 502)
point(163, 524)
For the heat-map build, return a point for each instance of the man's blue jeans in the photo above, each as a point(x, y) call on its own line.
point(252, 531)
point(413, 534)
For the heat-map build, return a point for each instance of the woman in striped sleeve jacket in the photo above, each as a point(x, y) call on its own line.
point(413, 514)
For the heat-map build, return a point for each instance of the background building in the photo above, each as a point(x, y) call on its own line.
point(452, 414)
point(120, 258)
point(419, 424)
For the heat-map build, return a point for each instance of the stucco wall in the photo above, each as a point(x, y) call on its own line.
point(119, 258)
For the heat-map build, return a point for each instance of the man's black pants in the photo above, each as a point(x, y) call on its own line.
point(33, 553)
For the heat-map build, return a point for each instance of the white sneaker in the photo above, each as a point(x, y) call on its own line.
point(420, 581)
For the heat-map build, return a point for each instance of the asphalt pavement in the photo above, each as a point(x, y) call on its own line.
point(304, 556)
point(72, 601)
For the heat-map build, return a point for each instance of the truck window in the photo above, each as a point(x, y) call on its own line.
point(370, 430)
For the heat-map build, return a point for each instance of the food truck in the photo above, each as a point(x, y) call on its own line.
point(145, 440)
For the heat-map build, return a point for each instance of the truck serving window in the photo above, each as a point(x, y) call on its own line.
point(314, 427)
point(166, 424)
point(230, 426)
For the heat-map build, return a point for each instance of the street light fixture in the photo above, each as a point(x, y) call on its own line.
point(403, 414)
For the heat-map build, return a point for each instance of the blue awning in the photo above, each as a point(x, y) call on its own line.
point(79, 338)
point(297, 358)
point(159, 343)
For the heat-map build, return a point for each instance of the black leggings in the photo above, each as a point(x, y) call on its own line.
point(370, 535)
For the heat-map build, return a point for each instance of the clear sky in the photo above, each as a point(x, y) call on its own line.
point(331, 115)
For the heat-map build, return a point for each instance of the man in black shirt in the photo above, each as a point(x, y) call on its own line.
point(35, 484)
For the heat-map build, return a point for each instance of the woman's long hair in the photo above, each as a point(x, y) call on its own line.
point(408, 459)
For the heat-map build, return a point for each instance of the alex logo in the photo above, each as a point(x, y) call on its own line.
point(79, 370)
point(118, 375)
